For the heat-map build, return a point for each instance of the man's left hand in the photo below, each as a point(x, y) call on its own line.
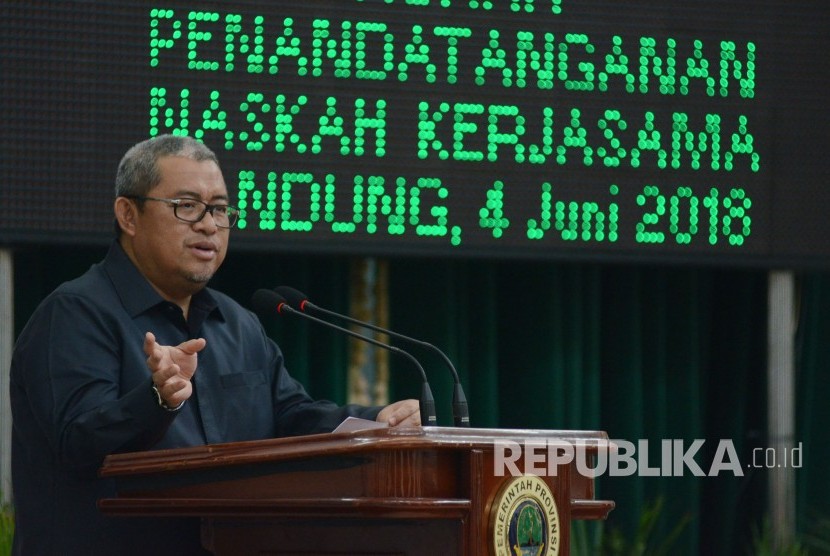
point(405, 413)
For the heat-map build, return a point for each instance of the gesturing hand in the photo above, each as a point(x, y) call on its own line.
point(172, 367)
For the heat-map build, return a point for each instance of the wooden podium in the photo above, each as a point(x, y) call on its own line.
point(414, 491)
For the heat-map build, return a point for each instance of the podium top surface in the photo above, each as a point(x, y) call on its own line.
point(330, 444)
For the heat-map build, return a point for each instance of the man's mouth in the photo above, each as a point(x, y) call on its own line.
point(204, 250)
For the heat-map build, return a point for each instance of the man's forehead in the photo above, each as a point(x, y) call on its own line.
point(180, 175)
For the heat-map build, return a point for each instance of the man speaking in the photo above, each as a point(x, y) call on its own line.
point(139, 354)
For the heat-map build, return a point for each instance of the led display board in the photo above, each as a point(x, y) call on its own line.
point(672, 131)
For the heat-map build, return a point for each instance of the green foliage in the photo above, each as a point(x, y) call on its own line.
point(817, 538)
point(586, 537)
point(763, 544)
point(595, 539)
point(6, 529)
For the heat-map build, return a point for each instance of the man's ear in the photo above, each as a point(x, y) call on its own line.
point(125, 214)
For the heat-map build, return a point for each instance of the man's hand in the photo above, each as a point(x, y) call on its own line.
point(172, 367)
point(405, 413)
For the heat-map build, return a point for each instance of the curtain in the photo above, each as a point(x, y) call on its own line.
point(813, 391)
point(640, 352)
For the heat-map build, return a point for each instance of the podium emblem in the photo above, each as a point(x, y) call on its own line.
point(524, 519)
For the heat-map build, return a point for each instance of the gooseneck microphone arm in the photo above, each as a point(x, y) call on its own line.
point(298, 301)
point(265, 300)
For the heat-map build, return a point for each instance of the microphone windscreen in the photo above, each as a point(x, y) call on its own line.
point(265, 302)
point(294, 298)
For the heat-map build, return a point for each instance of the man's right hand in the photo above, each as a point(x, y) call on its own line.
point(172, 367)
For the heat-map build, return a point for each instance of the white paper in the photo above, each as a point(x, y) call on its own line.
point(352, 424)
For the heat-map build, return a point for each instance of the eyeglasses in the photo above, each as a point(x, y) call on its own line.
point(193, 210)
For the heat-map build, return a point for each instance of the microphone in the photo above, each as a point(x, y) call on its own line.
point(460, 411)
point(265, 301)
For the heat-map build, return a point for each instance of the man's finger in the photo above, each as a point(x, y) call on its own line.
point(193, 346)
point(162, 377)
point(404, 412)
point(149, 343)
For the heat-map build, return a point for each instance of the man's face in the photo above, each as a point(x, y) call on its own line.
point(180, 257)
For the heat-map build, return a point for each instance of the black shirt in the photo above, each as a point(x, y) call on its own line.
point(81, 389)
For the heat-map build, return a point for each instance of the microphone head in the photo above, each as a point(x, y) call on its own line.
point(264, 302)
point(295, 298)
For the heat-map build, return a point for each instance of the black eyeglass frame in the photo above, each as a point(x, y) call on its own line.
point(232, 212)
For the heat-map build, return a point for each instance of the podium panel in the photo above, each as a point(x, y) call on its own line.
point(411, 491)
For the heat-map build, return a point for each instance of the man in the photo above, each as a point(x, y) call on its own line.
point(139, 354)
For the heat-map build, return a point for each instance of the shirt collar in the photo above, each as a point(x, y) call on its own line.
point(136, 293)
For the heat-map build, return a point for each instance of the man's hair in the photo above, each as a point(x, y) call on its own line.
point(138, 171)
